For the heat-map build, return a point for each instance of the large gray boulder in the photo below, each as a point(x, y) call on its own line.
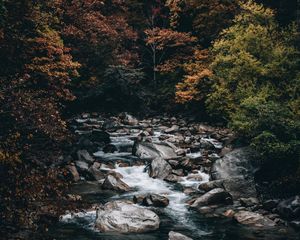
point(253, 219)
point(178, 236)
point(159, 168)
point(150, 151)
point(114, 183)
point(236, 170)
point(215, 196)
point(125, 217)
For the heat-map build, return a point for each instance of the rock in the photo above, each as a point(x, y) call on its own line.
point(180, 152)
point(114, 183)
point(208, 186)
point(172, 129)
point(159, 168)
point(178, 236)
point(83, 169)
point(96, 171)
point(159, 201)
point(205, 210)
point(213, 157)
point(110, 148)
point(172, 178)
point(190, 191)
point(124, 217)
point(128, 119)
point(174, 163)
point(111, 124)
point(178, 172)
point(249, 202)
point(229, 213)
point(240, 187)
point(149, 151)
point(139, 199)
point(151, 200)
point(225, 151)
point(290, 208)
point(100, 136)
point(186, 164)
point(215, 196)
point(82, 166)
point(270, 204)
point(210, 144)
point(83, 155)
point(85, 143)
point(253, 219)
point(236, 169)
point(195, 157)
point(73, 172)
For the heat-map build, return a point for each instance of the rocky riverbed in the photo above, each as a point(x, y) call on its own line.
point(167, 178)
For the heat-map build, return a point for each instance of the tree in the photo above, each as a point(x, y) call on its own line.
point(204, 18)
point(169, 49)
point(196, 83)
point(256, 84)
point(36, 70)
point(99, 36)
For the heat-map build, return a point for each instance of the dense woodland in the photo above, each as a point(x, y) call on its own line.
point(229, 62)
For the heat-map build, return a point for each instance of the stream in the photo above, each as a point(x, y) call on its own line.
point(177, 216)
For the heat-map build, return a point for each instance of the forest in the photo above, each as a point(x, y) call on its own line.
point(189, 89)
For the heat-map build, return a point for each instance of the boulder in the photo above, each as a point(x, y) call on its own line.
point(95, 170)
point(178, 236)
point(236, 169)
point(83, 169)
point(114, 183)
point(215, 196)
point(83, 155)
point(210, 144)
point(253, 219)
point(125, 217)
point(151, 200)
point(149, 151)
point(100, 136)
point(172, 178)
point(290, 208)
point(208, 186)
point(178, 172)
point(129, 119)
point(159, 168)
point(159, 201)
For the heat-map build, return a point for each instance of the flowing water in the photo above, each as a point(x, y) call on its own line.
point(176, 216)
